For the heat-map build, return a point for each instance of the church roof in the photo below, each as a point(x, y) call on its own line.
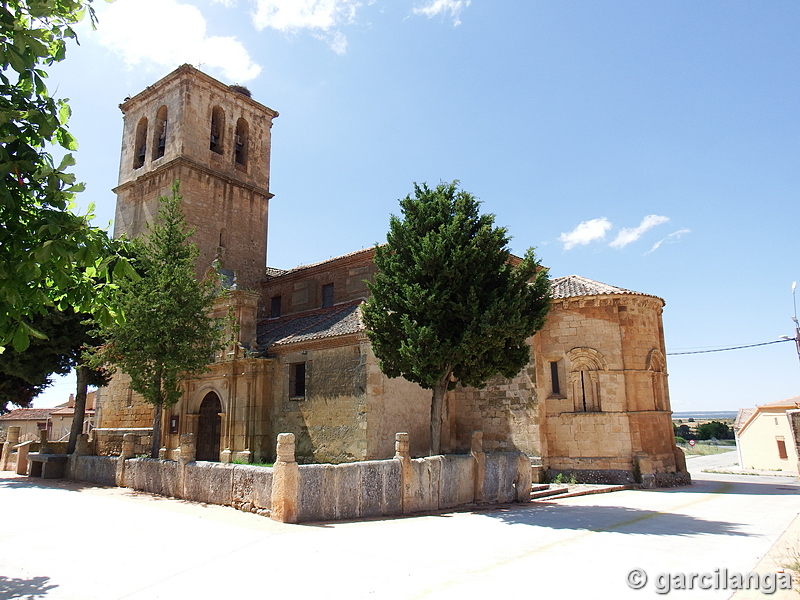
point(571, 286)
point(340, 319)
point(330, 260)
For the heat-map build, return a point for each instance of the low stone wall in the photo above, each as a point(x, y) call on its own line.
point(349, 491)
point(398, 486)
point(153, 475)
point(300, 493)
point(107, 441)
point(96, 469)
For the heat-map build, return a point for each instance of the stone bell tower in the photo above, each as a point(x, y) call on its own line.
point(215, 139)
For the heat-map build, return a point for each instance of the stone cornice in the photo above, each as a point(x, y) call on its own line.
point(184, 71)
point(608, 300)
point(181, 161)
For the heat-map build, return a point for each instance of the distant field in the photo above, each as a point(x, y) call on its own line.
point(705, 415)
point(705, 448)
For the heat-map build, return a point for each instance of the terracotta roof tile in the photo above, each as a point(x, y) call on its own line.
point(27, 414)
point(787, 403)
point(742, 417)
point(571, 286)
point(340, 319)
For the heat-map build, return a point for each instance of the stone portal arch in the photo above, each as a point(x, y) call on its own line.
point(209, 428)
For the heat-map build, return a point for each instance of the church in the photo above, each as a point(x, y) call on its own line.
point(593, 402)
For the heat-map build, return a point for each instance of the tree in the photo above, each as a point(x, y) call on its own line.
point(23, 375)
point(714, 429)
point(448, 304)
point(167, 333)
point(49, 256)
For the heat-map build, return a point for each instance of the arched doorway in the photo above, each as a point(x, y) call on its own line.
point(209, 427)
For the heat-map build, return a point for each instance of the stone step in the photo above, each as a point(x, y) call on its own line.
point(538, 487)
point(578, 490)
point(550, 491)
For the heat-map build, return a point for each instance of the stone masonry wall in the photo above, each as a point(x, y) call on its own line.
point(301, 290)
point(619, 342)
point(329, 422)
point(506, 410)
point(119, 406)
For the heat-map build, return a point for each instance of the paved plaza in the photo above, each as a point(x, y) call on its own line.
point(64, 540)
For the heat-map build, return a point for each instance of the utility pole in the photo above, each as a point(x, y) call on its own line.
point(794, 318)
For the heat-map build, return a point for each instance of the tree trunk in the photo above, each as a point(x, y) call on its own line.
point(437, 404)
point(80, 408)
point(156, 446)
point(157, 410)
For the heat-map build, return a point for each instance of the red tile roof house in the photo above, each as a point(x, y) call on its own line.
point(30, 421)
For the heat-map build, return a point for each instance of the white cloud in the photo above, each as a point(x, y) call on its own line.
point(629, 235)
point(440, 7)
point(227, 3)
point(322, 16)
point(587, 231)
point(672, 237)
point(168, 34)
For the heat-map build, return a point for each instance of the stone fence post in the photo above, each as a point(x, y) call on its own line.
point(285, 481)
point(44, 443)
point(82, 448)
point(188, 454)
point(524, 479)
point(479, 464)
point(129, 441)
point(12, 439)
point(402, 453)
point(22, 457)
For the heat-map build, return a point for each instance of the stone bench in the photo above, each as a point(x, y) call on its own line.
point(47, 466)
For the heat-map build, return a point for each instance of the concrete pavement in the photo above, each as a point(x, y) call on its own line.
point(63, 540)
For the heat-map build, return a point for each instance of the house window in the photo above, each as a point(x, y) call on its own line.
point(140, 144)
point(217, 129)
point(161, 133)
point(327, 295)
point(223, 238)
point(41, 426)
point(275, 307)
point(782, 448)
point(242, 143)
point(555, 385)
point(297, 380)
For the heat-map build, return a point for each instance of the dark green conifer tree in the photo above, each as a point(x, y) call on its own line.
point(449, 305)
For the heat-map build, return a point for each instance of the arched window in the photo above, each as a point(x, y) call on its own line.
point(217, 129)
point(585, 363)
point(140, 143)
point(161, 133)
point(242, 142)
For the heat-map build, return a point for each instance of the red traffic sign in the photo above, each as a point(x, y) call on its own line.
point(692, 442)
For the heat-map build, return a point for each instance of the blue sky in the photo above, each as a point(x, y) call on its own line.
point(651, 145)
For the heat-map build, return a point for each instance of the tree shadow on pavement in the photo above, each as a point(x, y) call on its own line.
point(35, 587)
point(615, 519)
point(24, 481)
point(748, 485)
